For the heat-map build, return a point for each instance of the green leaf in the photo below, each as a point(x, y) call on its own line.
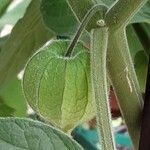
point(138, 56)
point(3, 5)
point(141, 67)
point(143, 33)
point(58, 88)
point(27, 36)
point(25, 134)
point(13, 15)
point(5, 110)
point(12, 96)
point(58, 16)
point(134, 43)
point(2, 41)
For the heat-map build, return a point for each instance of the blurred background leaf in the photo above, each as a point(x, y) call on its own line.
point(58, 16)
point(133, 40)
point(12, 99)
point(141, 67)
point(14, 13)
point(5, 110)
point(3, 5)
point(143, 32)
point(139, 55)
point(27, 36)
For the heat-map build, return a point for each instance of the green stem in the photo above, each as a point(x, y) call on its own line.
point(82, 26)
point(124, 81)
point(120, 66)
point(122, 11)
point(99, 84)
point(84, 5)
point(80, 9)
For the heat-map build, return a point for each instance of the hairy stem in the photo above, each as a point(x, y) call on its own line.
point(78, 5)
point(99, 86)
point(122, 11)
point(124, 81)
point(80, 9)
point(82, 26)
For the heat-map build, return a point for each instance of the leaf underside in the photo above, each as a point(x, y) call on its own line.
point(25, 134)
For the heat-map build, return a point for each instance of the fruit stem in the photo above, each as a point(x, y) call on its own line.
point(82, 26)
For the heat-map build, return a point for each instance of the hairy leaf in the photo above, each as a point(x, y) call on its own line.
point(58, 87)
point(27, 36)
point(25, 134)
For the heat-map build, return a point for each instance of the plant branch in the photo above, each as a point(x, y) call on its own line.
point(124, 81)
point(82, 26)
point(80, 9)
point(122, 11)
point(99, 87)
